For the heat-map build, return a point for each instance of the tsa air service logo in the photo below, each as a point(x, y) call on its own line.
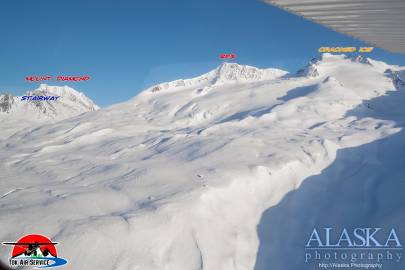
point(36, 251)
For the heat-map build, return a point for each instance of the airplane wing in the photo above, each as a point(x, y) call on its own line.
point(380, 23)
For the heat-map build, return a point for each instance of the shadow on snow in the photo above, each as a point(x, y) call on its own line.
point(363, 187)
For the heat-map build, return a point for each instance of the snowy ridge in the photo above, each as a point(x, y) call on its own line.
point(69, 95)
point(7, 102)
point(398, 77)
point(225, 73)
point(70, 103)
point(310, 70)
point(18, 114)
point(229, 72)
point(361, 59)
point(180, 179)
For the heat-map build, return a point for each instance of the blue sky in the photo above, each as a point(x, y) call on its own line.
point(126, 46)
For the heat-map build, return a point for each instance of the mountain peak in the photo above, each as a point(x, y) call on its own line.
point(235, 72)
point(320, 65)
point(67, 93)
point(14, 110)
point(224, 73)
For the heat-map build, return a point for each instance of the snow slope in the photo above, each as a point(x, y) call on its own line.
point(16, 114)
point(179, 176)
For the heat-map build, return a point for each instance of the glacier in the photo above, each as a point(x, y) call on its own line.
point(213, 172)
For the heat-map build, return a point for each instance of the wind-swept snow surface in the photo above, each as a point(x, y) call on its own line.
point(179, 177)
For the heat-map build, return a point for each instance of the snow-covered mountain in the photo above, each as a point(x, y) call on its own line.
point(225, 73)
point(194, 174)
point(16, 114)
